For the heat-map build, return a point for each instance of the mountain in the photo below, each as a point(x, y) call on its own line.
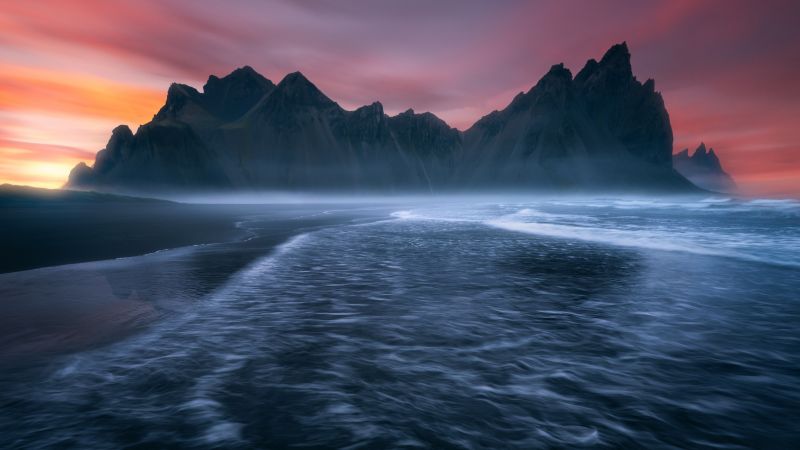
point(703, 169)
point(243, 132)
point(601, 129)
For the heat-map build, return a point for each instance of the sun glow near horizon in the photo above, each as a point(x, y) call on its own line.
point(50, 121)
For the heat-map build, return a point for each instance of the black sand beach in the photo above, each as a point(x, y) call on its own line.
point(42, 227)
point(106, 266)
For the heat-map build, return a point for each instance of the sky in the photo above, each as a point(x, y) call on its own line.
point(71, 71)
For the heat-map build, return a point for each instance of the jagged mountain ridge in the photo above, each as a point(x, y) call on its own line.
point(602, 128)
point(704, 169)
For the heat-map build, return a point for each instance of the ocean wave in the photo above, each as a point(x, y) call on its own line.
point(404, 215)
point(415, 332)
point(260, 266)
point(412, 215)
point(660, 204)
point(626, 238)
point(782, 204)
point(716, 200)
point(531, 212)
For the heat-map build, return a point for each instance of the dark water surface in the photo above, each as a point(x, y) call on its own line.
point(532, 324)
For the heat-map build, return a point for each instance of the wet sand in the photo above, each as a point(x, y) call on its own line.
point(71, 307)
point(40, 228)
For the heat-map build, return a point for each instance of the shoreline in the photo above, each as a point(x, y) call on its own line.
point(61, 309)
point(55, 235)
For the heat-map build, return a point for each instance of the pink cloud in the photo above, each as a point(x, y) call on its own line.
point(727, 69)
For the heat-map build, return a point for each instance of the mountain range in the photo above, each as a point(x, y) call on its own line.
point(601, 129)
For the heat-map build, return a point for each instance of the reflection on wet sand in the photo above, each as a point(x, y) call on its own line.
point(88, 312)
point(55, 310)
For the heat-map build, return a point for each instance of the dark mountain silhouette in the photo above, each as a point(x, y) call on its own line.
point(600, 129)
point(603, 128)
point(703, 169)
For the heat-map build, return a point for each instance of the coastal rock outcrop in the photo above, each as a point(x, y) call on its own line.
point(704, 169)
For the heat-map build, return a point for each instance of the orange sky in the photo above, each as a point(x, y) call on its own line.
point(52, 120)
point(71, 71)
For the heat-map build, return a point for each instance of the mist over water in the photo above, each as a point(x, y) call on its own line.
point(464, 323)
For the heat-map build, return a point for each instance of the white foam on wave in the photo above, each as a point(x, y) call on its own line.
point(716, 200)
point(215, 299)
point(721, 203)
point(269, 261)
point(254, 271)
point(642, 203)
point(624, 238)
point(660, 204)
point(535, 213)
point(404, 215)
point(781, 204)
point(412, 215)
point(200, 405)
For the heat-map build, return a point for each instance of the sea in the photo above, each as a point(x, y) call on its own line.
point(482, 322)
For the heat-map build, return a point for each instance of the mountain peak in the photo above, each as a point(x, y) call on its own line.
point(240, 72)
point(242, 76)
point(706, 157)
point(234, 94)
point(558, 72)
point(122, 131)
point(373, 109)
point(296, 78)
point(617, 52)
point(297, 82)
point(554, 84)
point(176, 89)
point(245, 70)
point(618, 58)
point(615, 65)
point(704, 169)
point(177, 97)
point(301, 90)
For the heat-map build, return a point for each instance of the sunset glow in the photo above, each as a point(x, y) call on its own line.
point(70, 72)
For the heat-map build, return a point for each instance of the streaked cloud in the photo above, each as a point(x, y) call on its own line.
point(727, 69)
point(26, 89)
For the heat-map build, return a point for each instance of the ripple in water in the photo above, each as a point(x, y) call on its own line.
point(420, 332)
